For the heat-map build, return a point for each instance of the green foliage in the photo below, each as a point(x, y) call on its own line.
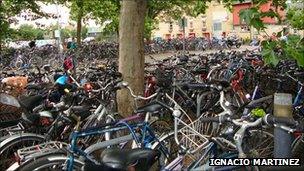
point(69, 33)
point(65, 33)
point(84, 31)
point(295, 14)
point(253, 17)
point(275, 50)
point(150, 25)
point(108, 10)
point(10, 8)
point(293, 48)
point(268, 52)
point(28, 32)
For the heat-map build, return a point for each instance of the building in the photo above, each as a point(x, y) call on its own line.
point(217, 21)
point(244, 31)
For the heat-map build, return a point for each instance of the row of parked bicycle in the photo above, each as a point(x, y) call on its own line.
point(27, 57)
point(196, 107)
point(192, 44)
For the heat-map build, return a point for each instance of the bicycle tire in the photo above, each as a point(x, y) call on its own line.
point(298, 149)
point(35, 61)
point(20, 165)
point(164, 140)
point(253, 141)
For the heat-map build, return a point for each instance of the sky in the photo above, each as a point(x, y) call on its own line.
point(64, 20)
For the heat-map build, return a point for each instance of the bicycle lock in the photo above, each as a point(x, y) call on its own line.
point(282, 138)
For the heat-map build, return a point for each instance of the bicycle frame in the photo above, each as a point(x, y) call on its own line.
point(143, 140)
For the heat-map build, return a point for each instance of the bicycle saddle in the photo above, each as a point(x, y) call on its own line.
point(223, 83)
point(199, 71)
point(120, 159)
point(36, 86)
point(81, 111)
point(150, 107)
point(30, 102)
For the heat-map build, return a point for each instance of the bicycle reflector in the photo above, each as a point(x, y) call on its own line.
point(66, 90)
point(257, 112)
point(87, 87)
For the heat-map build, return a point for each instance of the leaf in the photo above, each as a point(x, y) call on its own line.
point(248, 14)
point(269, 13)
point(268, 53)
point(252, 17)
point(257, 23)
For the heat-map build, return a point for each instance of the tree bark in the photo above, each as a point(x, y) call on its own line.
point(79, 21)
point(131, 52)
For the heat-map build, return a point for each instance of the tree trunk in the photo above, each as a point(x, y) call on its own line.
point(79, 21)
point(1, 16)
point(131, 51)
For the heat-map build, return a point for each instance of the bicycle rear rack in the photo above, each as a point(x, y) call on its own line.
point(24, 154)
point(12, 130)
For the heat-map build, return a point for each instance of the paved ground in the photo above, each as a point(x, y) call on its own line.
point(164, 55)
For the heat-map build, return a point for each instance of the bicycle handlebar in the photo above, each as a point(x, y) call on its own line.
point(121, 85)
point(283, 123)
point(271, 120)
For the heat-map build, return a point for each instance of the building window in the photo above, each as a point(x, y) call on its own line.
point(245, 28)
point(217, 26)
point(170, 26)
point(181, 24)
point(216, 3)
point(204, 24)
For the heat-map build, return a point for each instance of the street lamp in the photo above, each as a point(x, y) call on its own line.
point(58, 27)
point(184, 33)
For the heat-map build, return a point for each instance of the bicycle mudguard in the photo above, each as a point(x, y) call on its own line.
point(51, 157)
point(7, 99)
point(17, 166)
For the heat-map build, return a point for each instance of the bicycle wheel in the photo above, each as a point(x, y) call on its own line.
point(19, 64)
point(169, 149)
point(35, 61)
point(258, 144)
point(161, 127)
point(51, 162)
point(7, 149)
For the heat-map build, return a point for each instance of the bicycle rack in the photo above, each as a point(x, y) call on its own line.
point(12, 130)
point(30, 152)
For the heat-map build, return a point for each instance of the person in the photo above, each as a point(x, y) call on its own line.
point(273, 37)
point(32, 44)
point(65, 45)
point(285, 36)
point(255, 41)
point(72, 44)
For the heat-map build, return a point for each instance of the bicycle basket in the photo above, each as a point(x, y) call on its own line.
point(9, 108)
point(195, 136)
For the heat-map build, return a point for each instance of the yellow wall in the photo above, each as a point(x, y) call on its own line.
point(214, 11)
